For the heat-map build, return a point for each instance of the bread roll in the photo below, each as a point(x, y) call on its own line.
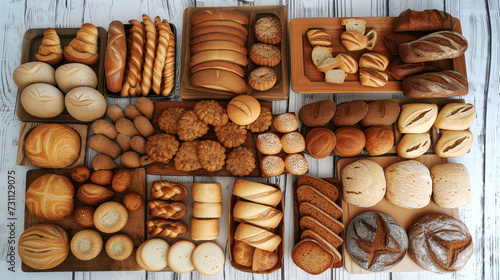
point(268, 143)
point(353, 41)
point(347, 63)
point(349, 113)
point(219, 80)
point(317, 113)
point(379, 140)
point(451, 185)
point(374, 61)
point(364, 183)
point(257, 192)
point(350, 141)
point(219, 14)
point(50, 197)
point(413, 145)
point(204, 229)
point(263, 260)
point(208, 258)
point(52, 146)
point(34, 72)
point(91, 194)
point(43, 246)
point(320, 142)
point(84, 47)
point(243, 109)
point(84, 216)
point(115, 56)
point(417, 117)
point(318, 37)
point(104, 145)
point(409, 184)
point(257, 214)
point(243, 253)
point(286, 122)
point(257, 237)
point(383, 112)
point(454, 143)
point(272, 166)
point(207, 192)
point(42, 100)
point(455, 116)
point(179, 256)
point(119, 247)
point(110, 217)
point(207, 209)
point(293, 142)
point(85, 104)
point(372, 78)
point(296, 164)
point(50, 50)
point(224, 55)
point(86, 244)
point(72, 75)
point(219, 64)
point(166, 210)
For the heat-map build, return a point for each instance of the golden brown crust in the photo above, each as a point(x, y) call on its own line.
point(263, 122)
point(169, 119)
point(265, 55)
point(166, 210)
point(149, 56)
point(50, 197)
point(240, 161)
point(211, 112)
point(169, 68)
point(267, 30)
point(231, 135)
point(186, 158)
point(220, 65)
point(135, 59)
point(161, 147)
point(262, 78)
point(212, 155)
point(83, 48)
point(119, 247)
point(219, 14)
point(272, 166)
point(165, 190)
point(218, 36)
point(86, 244)
point(190, 127)
point(50, 50)
point(166, 228)
point(110, 217)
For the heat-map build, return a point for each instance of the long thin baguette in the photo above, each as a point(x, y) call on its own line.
point(149, 56)
point(161, 55)
point(136, 57)
point(169, 69)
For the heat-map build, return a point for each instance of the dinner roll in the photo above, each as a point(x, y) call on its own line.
point(34, 72)
point(409, 184)
point(85, 104)
point(119, 247)
point(364, 183)
point(72, 75)
point(451, 185)
point(243, 109)
point(50, 197)
point(42, 100)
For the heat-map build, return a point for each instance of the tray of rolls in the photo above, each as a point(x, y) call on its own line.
point(54, 63)
point(222, 59)
point(367, 51)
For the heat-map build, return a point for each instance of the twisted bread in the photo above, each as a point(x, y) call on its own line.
point(161, 54)
point(149, 56)
point(168, 191)
point(50, 50)
point(169, 69)
point(136, 58)
point(83, 48)
point(166, 210)
point(166, 228)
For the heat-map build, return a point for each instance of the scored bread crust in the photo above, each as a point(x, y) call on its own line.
point(135, 59)
point(169, 68)
point(229, 23)
point(225, 55)
point(219, 14)
point(218, 45)
point(218, 29)
point(149, 57)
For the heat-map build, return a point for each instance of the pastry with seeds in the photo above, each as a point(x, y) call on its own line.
point(169, 119)
point(211, 112)
point(262, 78)
point(190, 127)
point(265, 55)
point(267, 30)
point(231, 135)
point(212, 155)
point(240, 161)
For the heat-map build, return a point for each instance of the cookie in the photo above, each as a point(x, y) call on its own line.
point(186, 158)
point(212, 155)
point(267, 30)
point(263, 122)
point(190, 127)
point(210, 112)
point(161, 147)
point(169, 119)
point(265, 55)
point(240, 161)
point(262, 78)
point(231, 135)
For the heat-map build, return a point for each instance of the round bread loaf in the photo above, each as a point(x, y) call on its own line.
point(43, 246)
point(267, 29)
point(320, 142)
point(243, 109)
point(272, 166)
point(286, 122)
point(179, 256)
point(50, 197)
point(262, 78)
point(52, 146)
point(293, 142)
point(265, 55)
point(409, 184)
point(268, 143)
point(364, 183)
point(119, 247)
point(383, 112)
point(34, 72)
point(42, 100)
point(208, 258)
point(350, 141)
point(318, 113)
point(110, 217)
point(451, 185)
point(373, 234)
point(379, 140)
point(85, 104)
point(72, 75)
point(86, 244)
point(440, 243)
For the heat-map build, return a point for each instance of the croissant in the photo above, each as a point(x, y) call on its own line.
point(166, 210)
point(50, 50)
point(168, 191)
point(83, 48)
point(166, 228)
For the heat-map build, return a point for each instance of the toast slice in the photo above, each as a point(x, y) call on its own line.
point(335, 76)
point(331, 191)
point(308, 209)
point(319, 54)
point(308, 222)
point(310, 256)
point(329, 64)
point(316, 198)
point(314, 235)
point(354, 25)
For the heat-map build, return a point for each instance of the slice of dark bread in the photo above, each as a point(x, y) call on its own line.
point(309, 233)
point(308, 222)
point(310, 256)
point(315, 197)
point(322, 186)
point(308, 209)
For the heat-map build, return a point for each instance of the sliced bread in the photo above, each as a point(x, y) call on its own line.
point(208, 258)
point(354, 25)
point(335, 76)
point(152, 254)
point(310, 256)
point(331, 191)
point(307, 209)
point(308, 222)
point(319, 54)
point(328, 64)
point(179, 256)
point(372, 39)
point(315, 197)
point(330, 247)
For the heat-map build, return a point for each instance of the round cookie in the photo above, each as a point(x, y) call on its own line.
point(267, 30)
point(265, 55)
point(262, 78)
point(268, 143)
point(240, 161)
point(169, 119)
point(186, 159)
point(263, 122)
point(190, 127)
point(364, 183)
point(210, 112)
point(208, 258)
point(119, 247)
point(86, 244)
point(286, 122)
point(409, 184)
point(231, 135)
point(212, 155)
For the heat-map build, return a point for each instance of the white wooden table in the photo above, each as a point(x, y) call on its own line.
point(480, 24)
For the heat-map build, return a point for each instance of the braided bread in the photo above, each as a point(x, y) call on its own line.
point(50, 50)
point(169, 69)
point(136, 57)
point(166, 228)
point(161, 55)
point(166, 210)
point(149, 56)
point(168, 191)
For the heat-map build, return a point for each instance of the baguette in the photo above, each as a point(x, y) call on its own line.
point(435, 85)
point(115, 57)
point(428, 20)
point(169, 69)
point(134, 66)
point(257, 192)
point(435, 46)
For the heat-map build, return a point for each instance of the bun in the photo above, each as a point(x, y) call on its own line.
point(50, 50)
point(119, 247)
point(272, 166)
point(33, 72)
point(152, 254)
point(85, 104)
point(208, 258)
point(455, 116)
point(257, 192)
point(262, 78)
point(257, 214)
point(268, 143)
point(296, 164)
point(312, 257)
point(417, 117)
point(84, 216)
point(454, 143)
point(204, 229)
point(207, 210)
point(257, 237)
point(318, 37)
point(243, 109)
point(350, 141)
point(293, 142)
point(73, 75)
point(364, 183)
point(372, 78)
point(104, 145)
point(286, 122)
point(318, 113)
point(166, 228)
point(320, 142)
point(347, 63)
point(349, 113)
point(207, 192)
point(110, 217)
point(265, 55)
point(86, 244)
point(243, 253)
point(43, 246)
point(83, 48)
point(42, 100)
point(374, 61)
point(179, 256)
point(451, 185)
point(437, 84)
point(219, 14)
point(409, 184)
point(91, 194)
point(267, 29)
point(264, 260)
point(219, 80)
point(353, 41)
point(435, 46)
point(60, 146)
point(428, 20)
point(50, 197)
point(116, 55)
point(379, 140)
point(383, 112)
point(413, 145)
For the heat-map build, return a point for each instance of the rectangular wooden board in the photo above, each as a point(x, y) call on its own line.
point(169, 168)
point(280, 91)
point(31, 42)
point(403, 216)
point(27, 127)
point(307, 79)
point(135, 227)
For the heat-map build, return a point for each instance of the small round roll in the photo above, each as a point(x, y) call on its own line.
point(293, 142)
point(272, 166)
point(119, 247)
point(86, 244)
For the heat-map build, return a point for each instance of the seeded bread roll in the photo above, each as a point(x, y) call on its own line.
point(409, 184)
point(364, 183)
point(267, 29)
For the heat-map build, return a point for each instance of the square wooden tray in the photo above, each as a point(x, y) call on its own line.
point(307, 79)
point(403, 216)
point(27, 127)
point(280, 91)
point(135, 227)
point(31, 42)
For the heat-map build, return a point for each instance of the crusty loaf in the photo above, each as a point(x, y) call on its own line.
point(417, 117)
point(428, 20)
point(353, 41)
point(115, 57)
point(400, 70)
point(455, 116)
point(374, 61)
point(409, 184)
point(50, 197)
point(257, 237)
point(451, 185)
point(392, 41)
point(372, 78)
point(219, 80)
point(257, 192)
point(435, 46)
point(257, 214)
point(454, 143)
point(436, 84)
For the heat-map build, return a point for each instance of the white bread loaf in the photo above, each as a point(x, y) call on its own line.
point(257, 192)
point(207, 209)
point(179, 256)
point(208, 258)
point(72, 75)
point(85, 104)
point(451, 185)
point(257, 214)
point(409, 184)
point(34, 72)
point(207, 192)
point(204, 229)
point(152, 254)
point(364, 183)
point(257, 237)
point(42, 100)
point(335, 76)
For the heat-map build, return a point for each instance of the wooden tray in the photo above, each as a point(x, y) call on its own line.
point(280, 91)
point(279, 230)
point(151, 94)
point(135, 227)
point(26, 128)
point(434, 132)
point(403, 216)
point(31, 42)
point(307, 79)
point(169, 168)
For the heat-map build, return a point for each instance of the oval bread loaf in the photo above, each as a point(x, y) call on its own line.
point(104, 145)
point(34, 72)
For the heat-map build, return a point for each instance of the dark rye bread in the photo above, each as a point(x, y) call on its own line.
point(308, 209)
point(311, 257)
point(315, 197)
point(323, 186)
point(308, 233)
point(308, 222)
point(318, 113)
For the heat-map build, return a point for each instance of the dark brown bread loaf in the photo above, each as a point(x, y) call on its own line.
point(428, 20)
point(392, 41)
point(318, 113)
point(349, 113)
point(400, 70)
point(382, 112)
point(435, 85)
point(435, 46)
